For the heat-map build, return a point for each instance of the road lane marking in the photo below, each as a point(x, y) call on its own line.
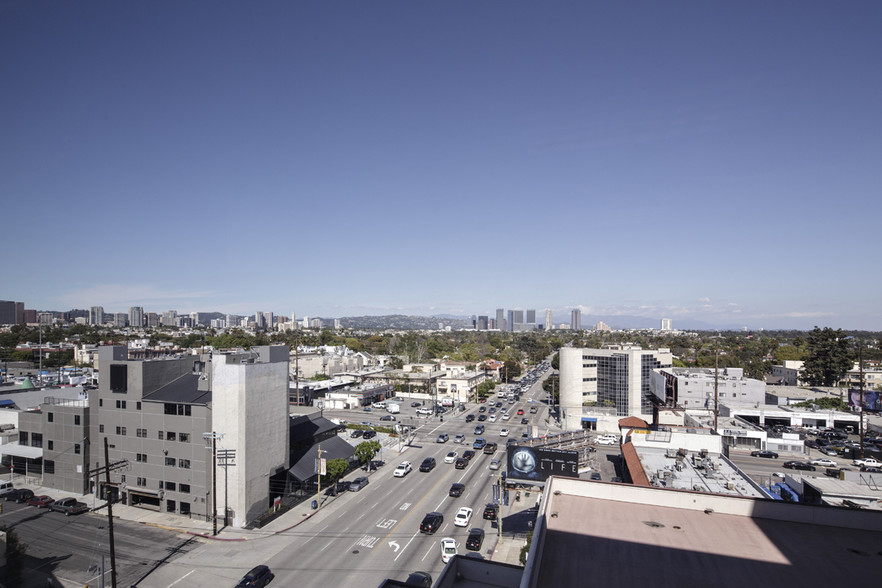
point(181, 578)
point(405, 546)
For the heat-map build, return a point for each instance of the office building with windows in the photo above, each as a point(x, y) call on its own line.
point(549, 319)
point(576, 319)
point(136, 316)
point(96, 315)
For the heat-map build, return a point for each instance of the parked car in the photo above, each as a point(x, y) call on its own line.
point(606, 440)
point(42, 501)
point(871, 469)
point(475, 539)
point(387, 417)
point(256, 578)
point(428, 464)
point(448, 549)
point(869, 462)
point(769, 454)
point(799, 465)
point(431, 523)
point(403, 469)
point(19, 495)
point(69, 506)
point(356, 434)
point(463, 517)
point(357, 484)
point(369, 435)
point(491, 512)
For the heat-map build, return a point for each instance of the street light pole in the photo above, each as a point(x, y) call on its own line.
point(213, 437)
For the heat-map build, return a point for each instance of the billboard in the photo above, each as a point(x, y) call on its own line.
point(537, 463)
point(872, 399)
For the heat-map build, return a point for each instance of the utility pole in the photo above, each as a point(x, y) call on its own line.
point(226, 458)
point(716, 383)
point(106, 469)
point(213, 437)
point(320, 470)
point(861, 407)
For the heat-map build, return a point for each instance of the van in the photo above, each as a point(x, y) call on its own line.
point(393, 408)
point(5, 487)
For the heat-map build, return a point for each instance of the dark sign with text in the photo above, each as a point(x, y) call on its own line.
point(537, 463)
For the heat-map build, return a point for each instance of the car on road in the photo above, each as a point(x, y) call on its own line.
point(769, 454)
point(419, 580)
point(403, 469)
point(461, 463)
point(450, 457)
point(606, 440)
point(824, 462)
point(19, 495)
point(358, 483)
point(495, 463)
point(492, 418)
point(257, 578)
point(871, 469)
point(491, 512)
point(482, 409)
point(387, 417)
point(431, 523)
point(506, 416)
point(595, 476)
point(69, 506)
point(442, 438)
point(475, 540)
point(869, 462)
point(415, 404)
point(479, 443)
point(428, 464)
point(459, 439)
point(469, 418)
point(479, 429)
point(468, 454)
point(482, 418)
point(798, 465)
point(456, 490)
point(520, 411)
point(41, 501)
point(490, 448)
point(448, 549)
point(463, 517)
point(525, 421)
point(503, 432)
point(533, 410)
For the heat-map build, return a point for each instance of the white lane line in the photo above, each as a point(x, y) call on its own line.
point(403, 549)
point(314, 535)
point(181, 578)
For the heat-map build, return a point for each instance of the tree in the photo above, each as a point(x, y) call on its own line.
point(555, 361)
point(511, 370)
point(335, 469)
point(825, 403)
point(15, 553)
point(830, 356)
point(366, 450)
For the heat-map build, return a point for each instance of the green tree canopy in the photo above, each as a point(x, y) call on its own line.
point(830, 356)
point(366, 450)
point(335, 468)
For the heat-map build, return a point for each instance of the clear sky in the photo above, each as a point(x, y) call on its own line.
point(691, 160)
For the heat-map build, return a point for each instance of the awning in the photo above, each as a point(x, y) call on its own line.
point(303, 467)
point(21, 450)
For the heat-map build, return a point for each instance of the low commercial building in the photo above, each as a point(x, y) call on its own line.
point(703, 387)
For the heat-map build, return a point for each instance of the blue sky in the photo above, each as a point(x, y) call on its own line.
point(692, 160)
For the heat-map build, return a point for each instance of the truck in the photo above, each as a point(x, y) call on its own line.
point(69, 506)
point(392, 408)
point(870, 462)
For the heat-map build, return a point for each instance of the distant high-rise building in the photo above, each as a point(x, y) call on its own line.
point(136, 316)
point(500, 319)
point(337, 324)
point(169, 318)
point(269, 320)
point(120, 319)
point(666, 324)
point(602, 326)
point(483, 323)
point(45, 318)
point(549, 319)
point(7, 312)
point(531, 317)
point(576, 319)
point(515, 317)
point(152, 320)
point(96, 315)
point(30, 316)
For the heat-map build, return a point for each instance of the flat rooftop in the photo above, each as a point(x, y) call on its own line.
point(608, 534)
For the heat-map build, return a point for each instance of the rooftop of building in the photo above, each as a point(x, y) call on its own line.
point(672, 538)
point(689, 470)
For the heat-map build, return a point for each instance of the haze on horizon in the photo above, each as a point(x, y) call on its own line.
point(686, 160)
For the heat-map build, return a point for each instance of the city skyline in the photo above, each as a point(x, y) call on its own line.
point(696, 162)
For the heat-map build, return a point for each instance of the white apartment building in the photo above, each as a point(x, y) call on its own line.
point(698, 388)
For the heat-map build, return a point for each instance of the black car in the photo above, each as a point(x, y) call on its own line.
point(461, 463)
point(491, 512)
point(482, 417)
point(525, 421)
point(798, 465)
point(415, 404)
point(388, 417)
point(456, 490)
point(594, 476)
point(475, 539)
point(431, 523)
point(469, 418)
point(419, 579)
point(256, 578)
point(19, 495)
point(468, 454)
point(369, 434)
point(482, 409)
point(428, 464)
point(769, 454)
point(356, 433)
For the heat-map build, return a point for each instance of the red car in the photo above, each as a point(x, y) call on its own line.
point(520, 411)
point(41, 501)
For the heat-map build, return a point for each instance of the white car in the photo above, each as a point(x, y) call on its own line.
point(503, 433)
point(607, 440)
point(463, 517)
point(827, 463)
point(450, 458)
point(506, 416)
point(448, 549)
point(403, 469)
point(492, 418)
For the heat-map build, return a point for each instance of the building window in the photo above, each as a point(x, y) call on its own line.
point(100, 428)
point(171, 436)
point(120, 430)
point(48, 466)
point(22, 438)
point(77, 448)
point(121, 404)
point(185, 488)
point(142, 433)
point(36, 439)
point(184, 463)
point(122, 478)
point(171, 408)
point(184, 437)
point(119, 374)
point(160, 484)
point(161, 436)
point(142, 457)
point(171, 486)
point(50, 445)
point(50, 417)
point(76, 419)
point(170, 505)
point(100, 402)
point(185, 508)
point(137, 406)
point(170, 461)
point(142, 481)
